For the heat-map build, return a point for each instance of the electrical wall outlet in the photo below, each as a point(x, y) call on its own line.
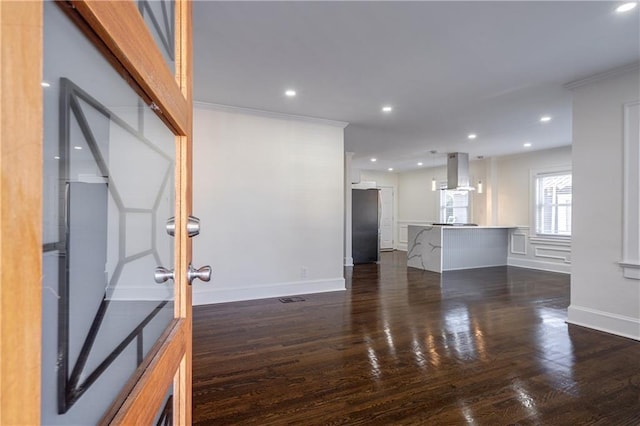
point(304, 272)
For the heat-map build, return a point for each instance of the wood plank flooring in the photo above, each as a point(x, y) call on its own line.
point(405, 346)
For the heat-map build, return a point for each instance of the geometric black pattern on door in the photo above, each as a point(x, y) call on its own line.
point(74, 109)
point(164, 25)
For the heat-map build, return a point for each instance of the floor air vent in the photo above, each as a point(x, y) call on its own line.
point(291, 299)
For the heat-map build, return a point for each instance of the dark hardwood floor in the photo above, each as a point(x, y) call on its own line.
point(406, 346)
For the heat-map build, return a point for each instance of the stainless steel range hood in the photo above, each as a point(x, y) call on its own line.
point(458, 172)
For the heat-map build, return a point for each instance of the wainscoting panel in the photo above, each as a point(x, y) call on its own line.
point(544, 253)
point(630, 262)
point(559, 253)
point(518, 244)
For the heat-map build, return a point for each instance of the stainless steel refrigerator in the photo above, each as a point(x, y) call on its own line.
point(364, 226)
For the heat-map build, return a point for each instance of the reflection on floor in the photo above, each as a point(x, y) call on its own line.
point(406, 346)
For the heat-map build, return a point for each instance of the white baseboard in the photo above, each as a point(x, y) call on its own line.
point(563, 268)
point(402, 247)
point(348, 261)
point(619, 325)
point(206, 296)
point(473, 267)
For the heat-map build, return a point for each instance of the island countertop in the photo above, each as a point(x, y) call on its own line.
point(441, 248)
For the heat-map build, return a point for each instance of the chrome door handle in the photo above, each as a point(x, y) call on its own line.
point(203, 274)
point(162, 274)
point(193, 226)
point(171, 226)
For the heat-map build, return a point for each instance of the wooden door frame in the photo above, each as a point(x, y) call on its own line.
point(115, 28)
point(20, 211)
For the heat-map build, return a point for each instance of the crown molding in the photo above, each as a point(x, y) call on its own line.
point(572, 85)
point(269, 114)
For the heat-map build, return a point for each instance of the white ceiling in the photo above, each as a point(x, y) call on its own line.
point(448, 68)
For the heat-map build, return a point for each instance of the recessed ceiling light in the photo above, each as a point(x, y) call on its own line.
point(626, 7)
point(387, 108)
point(419, 164)
point(390, 169)
point(472, 136)
point(373, 160)
point(545, 118)
point(45, 84)
point(56, 157)
point(77, 147)
point(290, 93)
point(527, 144)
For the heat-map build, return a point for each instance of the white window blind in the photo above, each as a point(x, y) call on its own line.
point(553, 203)
point(454, 206)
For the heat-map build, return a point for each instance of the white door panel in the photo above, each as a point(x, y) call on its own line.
point(386, 218)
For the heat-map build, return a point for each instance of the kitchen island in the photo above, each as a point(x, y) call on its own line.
point(441, 248)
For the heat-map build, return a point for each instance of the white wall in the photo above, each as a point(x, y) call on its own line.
point(380, 178)
point(269, 190)
point(515, 207)
point(601, 297)
point(513, 185)
point(418, 203)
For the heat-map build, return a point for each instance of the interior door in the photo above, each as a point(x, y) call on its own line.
point(386, 218)
point(96, 181)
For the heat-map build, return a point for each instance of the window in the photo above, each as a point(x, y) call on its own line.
point(553, 203)
point(454, 206)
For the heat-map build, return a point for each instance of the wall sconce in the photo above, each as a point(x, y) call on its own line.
point(480, 188)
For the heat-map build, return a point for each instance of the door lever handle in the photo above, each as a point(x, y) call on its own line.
point(162, 274)
point(203, 274)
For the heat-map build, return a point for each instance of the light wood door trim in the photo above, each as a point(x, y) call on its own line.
point(20, 211)
point(122, 29)
point(175, 355)
point(183, 303)
point(21, 200)
point(141, 407)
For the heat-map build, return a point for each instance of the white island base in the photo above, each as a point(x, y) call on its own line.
point(446, 248)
